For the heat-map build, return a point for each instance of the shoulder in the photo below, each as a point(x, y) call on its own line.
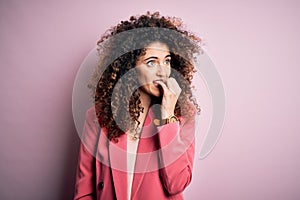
point(189, 114)
point(91, 116)
point(91, 112)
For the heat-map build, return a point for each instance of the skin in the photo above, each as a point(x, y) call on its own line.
point(153, 70)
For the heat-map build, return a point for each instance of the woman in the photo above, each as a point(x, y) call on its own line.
point(138, 139)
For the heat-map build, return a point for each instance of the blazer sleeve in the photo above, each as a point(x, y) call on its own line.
point(85, 172)
point(176, 155)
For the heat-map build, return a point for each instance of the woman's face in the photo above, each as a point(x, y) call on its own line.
point(154, 65)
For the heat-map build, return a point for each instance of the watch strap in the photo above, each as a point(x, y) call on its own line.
point(158, 122)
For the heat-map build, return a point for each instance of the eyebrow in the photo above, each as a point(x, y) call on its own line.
point(154, 57)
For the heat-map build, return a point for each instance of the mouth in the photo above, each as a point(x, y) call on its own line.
point(163, 80)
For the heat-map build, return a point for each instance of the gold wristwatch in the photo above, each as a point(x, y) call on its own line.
point(168, 120)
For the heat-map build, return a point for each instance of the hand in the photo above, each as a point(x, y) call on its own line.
point(171, 92)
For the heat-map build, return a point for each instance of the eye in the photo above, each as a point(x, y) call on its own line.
point(167, 62)
point(151, 63)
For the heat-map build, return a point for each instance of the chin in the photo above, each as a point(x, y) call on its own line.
point(151, 90)
point(155, 91)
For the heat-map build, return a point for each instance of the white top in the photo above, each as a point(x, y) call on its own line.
point(131, 158)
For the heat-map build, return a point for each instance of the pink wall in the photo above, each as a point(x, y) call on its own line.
point(254, 44)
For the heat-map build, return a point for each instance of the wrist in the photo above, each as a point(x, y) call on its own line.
point(166, 114)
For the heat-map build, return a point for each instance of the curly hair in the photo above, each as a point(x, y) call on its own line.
point(117, 101)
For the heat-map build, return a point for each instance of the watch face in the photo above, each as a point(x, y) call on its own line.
point(173, 119)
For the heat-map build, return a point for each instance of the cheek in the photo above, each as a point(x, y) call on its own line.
point(168, 71)
point(142, 80)
point(145, 76)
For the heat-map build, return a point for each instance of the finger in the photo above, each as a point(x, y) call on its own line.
point(174, 86)
point(162, 84)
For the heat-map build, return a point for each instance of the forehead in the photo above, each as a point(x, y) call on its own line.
point(157, 48)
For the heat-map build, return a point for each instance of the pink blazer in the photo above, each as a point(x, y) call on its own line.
point(163, 166)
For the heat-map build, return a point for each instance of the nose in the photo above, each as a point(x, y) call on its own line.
point(162, 71)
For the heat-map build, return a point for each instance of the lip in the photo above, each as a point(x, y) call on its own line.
point(163, 80)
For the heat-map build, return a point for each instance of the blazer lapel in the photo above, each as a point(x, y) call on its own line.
point(146, 159)
point(118, 160)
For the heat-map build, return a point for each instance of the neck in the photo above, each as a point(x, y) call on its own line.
point(146, 102)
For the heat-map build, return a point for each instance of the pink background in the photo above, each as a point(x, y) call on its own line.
point(254, 44)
